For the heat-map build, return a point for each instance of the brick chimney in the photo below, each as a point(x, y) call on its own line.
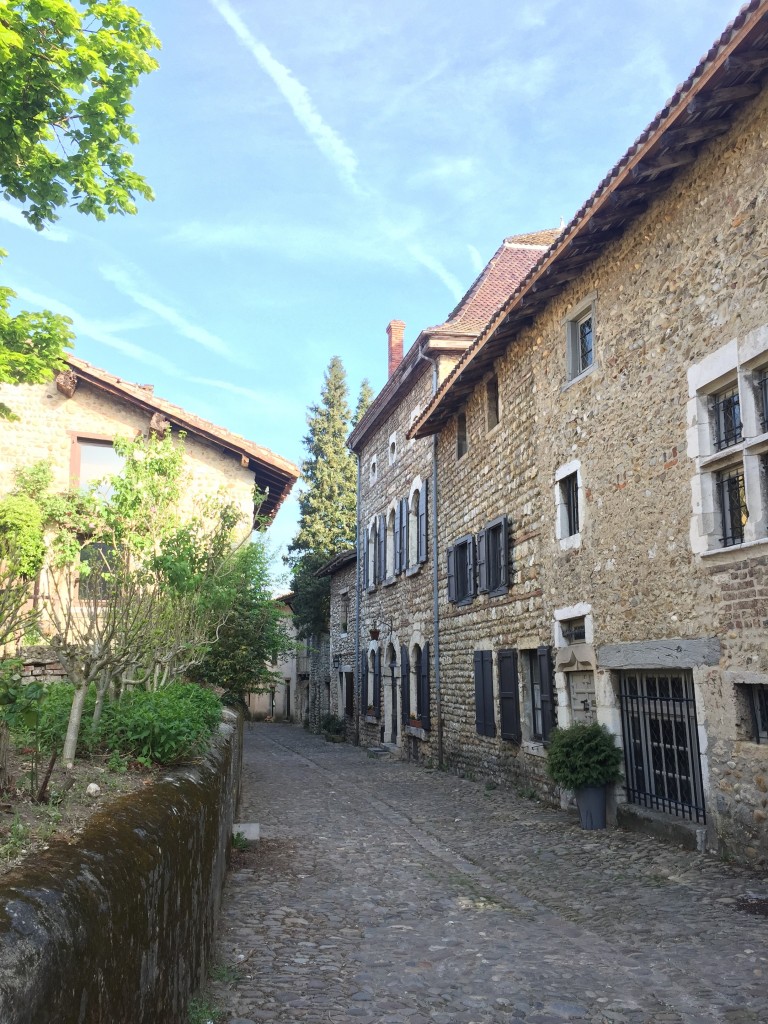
point(395, 332)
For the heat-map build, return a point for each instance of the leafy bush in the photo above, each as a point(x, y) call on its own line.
point(163, 726)
point(333, 726)
point(54, 716)
point(583, 755)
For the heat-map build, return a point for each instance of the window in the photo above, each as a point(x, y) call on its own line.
point(574, 630)
point(727, 419)
point(580, 339)
point(370, 553)
point(344, 611)
point(493, 558)
point(417, 526)
point(540, 676)
point(462, 445)
point(92, 462)
point(392, 450)
point(732, 502)
point(419, 696)
point(391, 544)
point(461, 571)
point(373, 473)
point(485, 722)
point(758, 700)
point(569, 496)
point(492, 401)
point(97, 561)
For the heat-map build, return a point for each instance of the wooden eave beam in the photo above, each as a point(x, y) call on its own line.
point(725, 94)
point(700, 131)
point(661, 163)
point(747, 59)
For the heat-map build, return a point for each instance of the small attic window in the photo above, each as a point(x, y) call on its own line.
point(392, 449)
point(374, 470)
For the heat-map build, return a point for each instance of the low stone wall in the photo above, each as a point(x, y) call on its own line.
point(119, 927)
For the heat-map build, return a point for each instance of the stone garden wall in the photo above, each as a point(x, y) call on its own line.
point(118, 927)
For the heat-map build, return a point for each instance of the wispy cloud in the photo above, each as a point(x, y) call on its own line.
point(326, 138)
point(475, 259)
point(328, 141)
point(13, 215)
point(125, 283)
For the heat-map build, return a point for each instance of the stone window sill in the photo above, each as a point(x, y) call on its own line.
point(417, 731)
point(372, 719)
point(736, 550)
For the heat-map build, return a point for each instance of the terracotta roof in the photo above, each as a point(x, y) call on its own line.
point(504, 271)
point(702, 108)
point(271, 471)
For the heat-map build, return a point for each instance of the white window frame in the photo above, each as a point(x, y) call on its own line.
point(572, 321)
point(568, 541)
point(739, 362)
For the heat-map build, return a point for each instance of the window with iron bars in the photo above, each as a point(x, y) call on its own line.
point(733, 506)
point(726, 418)
point(762, 389)
point(569, 489)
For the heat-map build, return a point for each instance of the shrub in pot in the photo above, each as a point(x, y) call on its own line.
point(585, 758)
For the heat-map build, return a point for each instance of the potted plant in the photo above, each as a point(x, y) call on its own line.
point(584, 758)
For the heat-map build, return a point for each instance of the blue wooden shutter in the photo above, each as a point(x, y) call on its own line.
point(404, 532)
point(424, 688)
point(482, 562)
point(363, 682)
point(366, 562)
point(544, 656)
point(381, 546)
point(479, 702)
point(405, 685)
point(422, 536)
point(452, 574)
point(398, 540)
point(509, 696)
point(504, 553)
point(470, 549)
point(377, 682)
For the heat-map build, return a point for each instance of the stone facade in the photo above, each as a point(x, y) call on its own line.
point(601, 464)
point(343, 627)
point(647, 608)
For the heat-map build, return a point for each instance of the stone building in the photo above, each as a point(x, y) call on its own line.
point(602, 457)
point(342, 571)
point(396, 577)
point(72, 421)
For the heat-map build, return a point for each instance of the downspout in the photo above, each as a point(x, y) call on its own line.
point(358, 598)
point(435, 600)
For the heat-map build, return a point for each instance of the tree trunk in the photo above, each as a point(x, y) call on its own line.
point(73, 728)
point(5, 747)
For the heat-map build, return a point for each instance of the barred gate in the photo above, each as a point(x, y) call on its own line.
point(661, 743)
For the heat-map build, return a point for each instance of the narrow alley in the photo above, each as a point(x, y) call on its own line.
point(383, 892)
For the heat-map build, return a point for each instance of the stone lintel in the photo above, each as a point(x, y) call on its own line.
point(660, 654)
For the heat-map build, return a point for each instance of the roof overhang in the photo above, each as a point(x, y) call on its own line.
point(702, 108)
point(273, 474)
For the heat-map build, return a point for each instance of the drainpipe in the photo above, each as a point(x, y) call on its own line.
point(358, 593)
point(435, 601)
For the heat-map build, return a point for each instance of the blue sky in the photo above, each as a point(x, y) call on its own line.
point(324, 167)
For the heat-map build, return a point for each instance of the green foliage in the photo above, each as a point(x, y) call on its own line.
point(239, 841)
point(364, 400)
point(65, 106)
point(163, 726)
point(68, 74)
point(312, 595)
point(333, 726)
point(18, 838)
point(253, 633)
point(33, 480)
point(21, 534)
point(583, 755)
point(54, 714)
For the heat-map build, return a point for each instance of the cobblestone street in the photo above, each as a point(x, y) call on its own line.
point(383, 892)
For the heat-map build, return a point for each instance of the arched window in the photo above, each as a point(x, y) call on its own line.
point(391, 542)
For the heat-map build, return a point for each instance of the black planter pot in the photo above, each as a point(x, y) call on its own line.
point(591, 804)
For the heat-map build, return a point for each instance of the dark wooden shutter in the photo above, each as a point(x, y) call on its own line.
point(509, 696)
point(363, 682)
point(398, 559)
point(452, 574)
point(484, 710)
point(482, 562)
point(405, 685)
point(424, 688)
point(377, 682)
point(470, 549)
point(404, 511)
point(504, 553)
point(381, 545)
point(421, 553)
point(544, 656)
point(366, 561)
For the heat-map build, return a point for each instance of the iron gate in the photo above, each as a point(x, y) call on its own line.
point(661, 743)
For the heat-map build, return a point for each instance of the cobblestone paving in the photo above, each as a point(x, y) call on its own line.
point(384, 893)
